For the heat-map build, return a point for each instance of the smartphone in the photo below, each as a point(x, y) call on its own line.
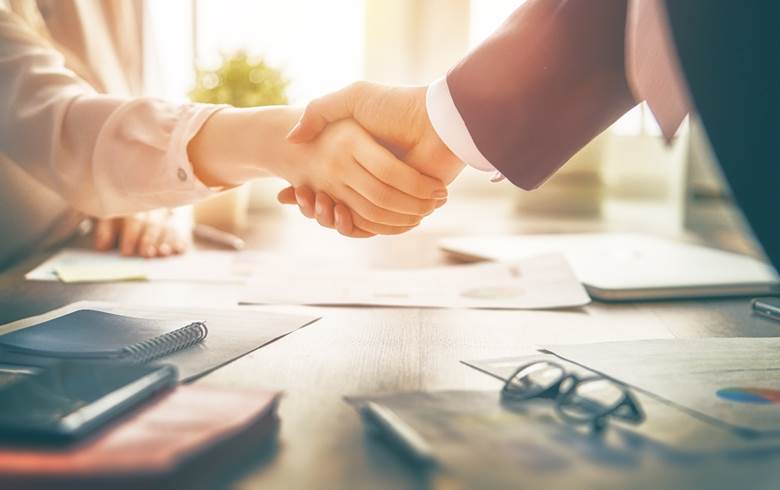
point(64, 401)
point(767, 307)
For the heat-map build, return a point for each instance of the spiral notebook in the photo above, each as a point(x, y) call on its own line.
point(91, 334)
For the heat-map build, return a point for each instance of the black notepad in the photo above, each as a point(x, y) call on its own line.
point(91, 334)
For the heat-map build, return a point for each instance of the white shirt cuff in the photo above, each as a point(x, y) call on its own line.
point(449, 125)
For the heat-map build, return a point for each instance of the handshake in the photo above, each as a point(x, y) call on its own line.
point(393, 168)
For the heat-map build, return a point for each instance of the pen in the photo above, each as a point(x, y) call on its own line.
point(392, 425)
point(219, 237)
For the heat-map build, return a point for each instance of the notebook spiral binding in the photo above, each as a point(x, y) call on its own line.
point(171, 342)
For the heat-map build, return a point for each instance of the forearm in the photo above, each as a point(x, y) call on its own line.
point(542, 86)
point(238, 145)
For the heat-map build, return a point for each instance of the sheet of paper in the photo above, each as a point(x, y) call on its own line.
point(538, 282)
point(732, 381)
point(77, 265)
point(233, 332)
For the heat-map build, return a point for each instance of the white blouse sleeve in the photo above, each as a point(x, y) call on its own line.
point(105, 155)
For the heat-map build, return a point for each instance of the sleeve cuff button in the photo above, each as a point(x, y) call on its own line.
point(181, 174)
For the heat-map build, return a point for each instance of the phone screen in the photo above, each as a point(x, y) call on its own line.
point(69, 398)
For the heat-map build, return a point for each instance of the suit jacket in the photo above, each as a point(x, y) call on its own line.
point(729, 56)
point(559, 72)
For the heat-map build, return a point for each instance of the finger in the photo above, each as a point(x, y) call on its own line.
point(287, 196)
point(343, 218)
point(105, 234)
point(344, 223)
point(150, 238)
point(164, 246)
point(307, 201)
point(322, 111)
point(173, 240)
point(361, 223)
point(131, 233)
point(323, 210)
point(387, 168)
point(372, 212)
point(440, 203)
point(386, 197)
point(181, 241)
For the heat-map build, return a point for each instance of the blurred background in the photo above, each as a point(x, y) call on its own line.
point(627, 179)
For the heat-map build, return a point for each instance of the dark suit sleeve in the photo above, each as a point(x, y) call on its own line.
point(543, 85)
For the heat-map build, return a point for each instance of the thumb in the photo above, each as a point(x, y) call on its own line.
point(322, 111)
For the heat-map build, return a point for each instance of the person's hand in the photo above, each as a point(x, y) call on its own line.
point(155, 233)
point(347, 165)
point(396, 116)
point(327, 212)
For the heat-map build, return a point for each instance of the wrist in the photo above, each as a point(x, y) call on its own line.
point(430, 152)
point(238, 145)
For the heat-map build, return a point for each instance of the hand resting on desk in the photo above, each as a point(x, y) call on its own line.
point(157, 233)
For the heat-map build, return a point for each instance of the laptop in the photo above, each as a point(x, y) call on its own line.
point(630, 267)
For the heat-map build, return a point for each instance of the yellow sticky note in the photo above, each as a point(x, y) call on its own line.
point(114, 273)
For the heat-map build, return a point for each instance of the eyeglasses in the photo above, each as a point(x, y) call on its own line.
point(589, 400)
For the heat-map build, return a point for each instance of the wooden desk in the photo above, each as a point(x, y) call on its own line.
point(322, 443)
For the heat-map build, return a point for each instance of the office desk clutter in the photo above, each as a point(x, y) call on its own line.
point(551, 421)
point(75, 370)
point(475, 439)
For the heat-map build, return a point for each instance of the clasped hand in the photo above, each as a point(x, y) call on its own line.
point(397, 193)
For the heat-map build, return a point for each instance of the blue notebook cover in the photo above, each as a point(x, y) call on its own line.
point(95, 334)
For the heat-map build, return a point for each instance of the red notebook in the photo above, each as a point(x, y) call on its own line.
point(193, 427)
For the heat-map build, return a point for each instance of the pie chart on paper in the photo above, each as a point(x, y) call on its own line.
point(758, 396)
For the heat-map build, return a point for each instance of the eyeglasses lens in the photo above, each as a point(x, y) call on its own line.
point(534, 379)
point(590, 398)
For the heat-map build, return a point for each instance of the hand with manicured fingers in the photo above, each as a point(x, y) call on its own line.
point(346, 164)
point(157, 233)
point(397, 117)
